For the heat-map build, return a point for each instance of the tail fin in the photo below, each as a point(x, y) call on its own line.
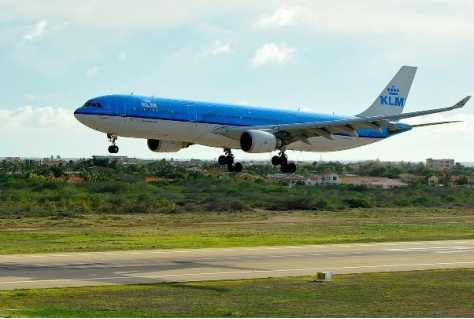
point(393, 98)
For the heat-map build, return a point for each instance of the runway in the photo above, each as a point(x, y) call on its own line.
point(180, 265)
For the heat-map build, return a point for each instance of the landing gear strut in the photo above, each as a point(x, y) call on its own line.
point(113, 148)
point(228, 159)
point(282, 160)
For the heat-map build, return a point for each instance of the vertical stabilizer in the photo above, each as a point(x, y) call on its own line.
point(394, 96)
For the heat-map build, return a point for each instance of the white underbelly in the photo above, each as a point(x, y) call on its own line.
point(321, 144)
point(201, 133)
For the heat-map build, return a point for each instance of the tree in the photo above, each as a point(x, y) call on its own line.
point(462, 180)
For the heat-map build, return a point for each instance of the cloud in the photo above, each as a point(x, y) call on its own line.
point(35, 120)
point(351, 17)
point(37, 33)
point(92, 72)
point(271, 53)
point(42, 131)
point(283, 16)
point(217, 48)
point(122, 55)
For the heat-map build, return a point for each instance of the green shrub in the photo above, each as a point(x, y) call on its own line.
point(358, 203)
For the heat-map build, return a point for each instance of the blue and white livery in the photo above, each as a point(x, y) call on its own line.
point(170, 125)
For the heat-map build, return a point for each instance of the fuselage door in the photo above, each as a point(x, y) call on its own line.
point(121, 109)
point(192, 112)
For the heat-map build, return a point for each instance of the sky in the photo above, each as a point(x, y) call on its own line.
point(325, 56)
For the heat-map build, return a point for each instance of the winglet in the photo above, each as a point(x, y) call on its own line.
point(461, 103)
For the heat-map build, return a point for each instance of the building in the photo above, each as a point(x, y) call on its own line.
point(290, 179)
point(410, 177)
point(433, 181)
point(440, 163)
point(323, 178)
point(49, 163)
point(380, 182)
point(14, 160)
point(244, 177)
point(383, 183)
point(293, 180)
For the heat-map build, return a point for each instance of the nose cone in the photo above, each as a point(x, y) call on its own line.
point(76, 113)
point(79, 115)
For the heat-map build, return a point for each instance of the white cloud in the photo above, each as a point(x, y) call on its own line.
point(35, 120)
point(271, 53)
point(281, 17)
point(42, 131)
point(36, 33)
point(218, 47)
point(92, 72)
point(122, 55)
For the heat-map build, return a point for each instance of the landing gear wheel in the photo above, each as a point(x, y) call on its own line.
point(113, 149)
point(229, 159)
point(238, 167)
point(291, 167)
point(230, 168)
point(275, 160)
point(222, 160)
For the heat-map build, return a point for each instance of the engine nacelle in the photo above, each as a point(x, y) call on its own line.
point(255, 141)
point(159, 146)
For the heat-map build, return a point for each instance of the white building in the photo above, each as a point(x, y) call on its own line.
point(323, 178)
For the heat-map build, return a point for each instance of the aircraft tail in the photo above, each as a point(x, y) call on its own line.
point(392, 99)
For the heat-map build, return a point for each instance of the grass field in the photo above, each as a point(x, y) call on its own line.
point(436, 293)
point(93, 232)
point(443, 293)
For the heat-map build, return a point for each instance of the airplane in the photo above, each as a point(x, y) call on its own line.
point(170, 125)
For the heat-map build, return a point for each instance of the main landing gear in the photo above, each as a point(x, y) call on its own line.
point(228, 159)
point(113, 148)
point(282, 160)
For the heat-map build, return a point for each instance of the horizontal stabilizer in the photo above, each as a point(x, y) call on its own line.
point(434, 123)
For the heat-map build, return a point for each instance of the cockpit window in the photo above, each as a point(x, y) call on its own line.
point(93, 104)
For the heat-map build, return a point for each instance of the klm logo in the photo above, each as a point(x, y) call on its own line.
point(392, 98)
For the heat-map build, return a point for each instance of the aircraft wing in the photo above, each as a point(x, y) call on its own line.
point(302, 131)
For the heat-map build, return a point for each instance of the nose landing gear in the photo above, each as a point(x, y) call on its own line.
point(228, 159)
point(113, 148)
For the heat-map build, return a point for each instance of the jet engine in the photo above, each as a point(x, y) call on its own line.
point(158, 146)
point(255, 141)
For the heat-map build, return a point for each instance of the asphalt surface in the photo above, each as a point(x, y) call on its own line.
point(179, 265)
